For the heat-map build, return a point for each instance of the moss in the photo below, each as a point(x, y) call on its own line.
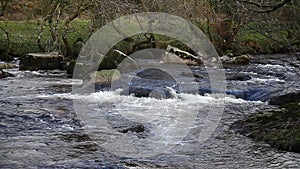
point(107, 75)
point(280, 129)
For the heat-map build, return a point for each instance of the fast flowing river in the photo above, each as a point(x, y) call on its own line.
point(40, 127)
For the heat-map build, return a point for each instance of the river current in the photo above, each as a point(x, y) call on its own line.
point(41, 128)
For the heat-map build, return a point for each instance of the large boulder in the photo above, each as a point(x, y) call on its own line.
point(154, 83)
point(42, 61)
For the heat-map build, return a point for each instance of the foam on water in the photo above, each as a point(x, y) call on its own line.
point(269, 66)
point(114, 96)
point(265, 80)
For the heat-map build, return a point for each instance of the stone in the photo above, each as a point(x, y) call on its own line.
point(238, 77)
point(139, 128)
point(7, 66)
point(154, 83)
point(5, 74)
point(285, 99)
point(42, 61)
point(175, 56)
point(70, 67)
point(6, 57)
point(102, 80)
point(236, 61)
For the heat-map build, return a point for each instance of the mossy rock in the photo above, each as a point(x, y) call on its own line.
point(102, 80)
point(280, 129)
point(41, 61)
point(6, 57)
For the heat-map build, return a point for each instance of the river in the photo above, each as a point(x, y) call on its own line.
point(41, 128)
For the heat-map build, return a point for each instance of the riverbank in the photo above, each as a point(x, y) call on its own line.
point(20, 37)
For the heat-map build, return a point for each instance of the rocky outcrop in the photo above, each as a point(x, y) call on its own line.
point(42, 61)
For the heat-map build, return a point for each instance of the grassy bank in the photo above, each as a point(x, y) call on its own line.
point(23, 35)
point(23, 39)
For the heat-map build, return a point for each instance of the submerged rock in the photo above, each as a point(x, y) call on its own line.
point(41, 61)
point(238, 77)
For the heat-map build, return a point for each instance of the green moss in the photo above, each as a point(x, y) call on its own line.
point(107, 75)
point(280, 129)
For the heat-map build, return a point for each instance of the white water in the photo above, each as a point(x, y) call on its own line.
point(170, 120)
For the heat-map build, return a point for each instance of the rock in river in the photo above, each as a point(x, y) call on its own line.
point(236, 61)
point(4, 74)
point(154, 83)
point(6, 57)
point(41, 61)
point(284, 99)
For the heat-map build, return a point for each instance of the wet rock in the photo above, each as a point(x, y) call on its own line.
point(70, 67)
point(158, 93)
point(239, 77)
point(153, 83)
point(42, 61)
point(135, 128)
point(5, 74)
point(251, 94)
point(103, 79)
point(155, 74)
point(172, 58)
point(175, 55)
point(6, 57)
point(278, 127)
point(236, 61)
point(7, 66)
point(284, 99)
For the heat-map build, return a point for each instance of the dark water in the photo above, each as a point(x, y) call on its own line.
point(40, 128)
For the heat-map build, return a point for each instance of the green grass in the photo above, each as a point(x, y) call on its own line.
point(254, 42)
point(23, 38)
point(23, 35)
